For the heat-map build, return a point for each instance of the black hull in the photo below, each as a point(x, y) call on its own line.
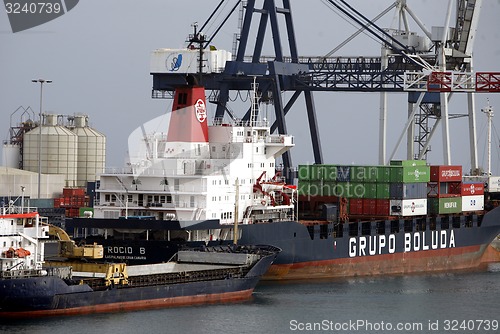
point(53, 296)
point(394, 246)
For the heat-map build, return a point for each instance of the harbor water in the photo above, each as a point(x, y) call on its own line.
point(430, 303)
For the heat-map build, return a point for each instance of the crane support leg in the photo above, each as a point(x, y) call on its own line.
point(313, 127)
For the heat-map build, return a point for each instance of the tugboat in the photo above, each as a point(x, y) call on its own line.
point(74, 281)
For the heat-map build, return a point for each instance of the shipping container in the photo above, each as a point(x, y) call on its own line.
point(444, 205)
point(444, 189)
point(494, 184)
point(355, 206)
point(407, 190)
point(383, 191)
point(410, 174)
point(370, 190)
point(85, 211)
point(364, 173)
point(330, 189)
point(446, 173)
point(369, 207)
point(473, 203)
point(343, 173)
point(305, 172)
point(328, 173)
point(383, 207)
point(471, 189)
point(408, 207)
point(408, 163)
point(69, 192)
point(383, 173)
point(310, 188)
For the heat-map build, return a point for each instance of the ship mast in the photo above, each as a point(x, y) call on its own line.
point(488, 110)
point(236, 208)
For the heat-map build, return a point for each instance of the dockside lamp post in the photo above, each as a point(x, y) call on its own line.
point(41, 81)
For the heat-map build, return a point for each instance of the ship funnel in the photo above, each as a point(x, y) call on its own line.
point(188, 122)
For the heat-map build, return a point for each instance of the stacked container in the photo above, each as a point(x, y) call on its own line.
point(408, 187)
point(72, 200)
point(472, 196)
point(445, 190)
point(370, 190)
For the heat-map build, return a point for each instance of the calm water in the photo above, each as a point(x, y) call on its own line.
point(336, 306)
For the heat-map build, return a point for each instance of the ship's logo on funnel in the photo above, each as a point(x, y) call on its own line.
point(174, 62)
point(200, 110)
point(26, 14)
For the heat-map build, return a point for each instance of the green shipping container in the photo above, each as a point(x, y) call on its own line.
point(444, 205)
point(370, 190)
point(317, 172)
point(413, 174)
point(408, 163)
point(305, 172)
point(364, 173)
point(328, 173)
point(83, 210)
point(383, 174)
point(383, 191)
point(303, 187)
point(329, 188)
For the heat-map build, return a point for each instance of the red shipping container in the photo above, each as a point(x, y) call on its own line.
point(69, 192)
point(455, 188)
point(446, 173)
point(369, 207)
point(356, 206)
point(471, 189)
point(383, 207)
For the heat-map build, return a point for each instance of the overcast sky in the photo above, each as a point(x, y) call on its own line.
point(98, 58)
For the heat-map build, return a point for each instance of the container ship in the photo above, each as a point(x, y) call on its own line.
point(210, 185)
point(36, 284)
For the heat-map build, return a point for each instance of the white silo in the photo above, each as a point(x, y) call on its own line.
point(11, 155)
point(91, 156)
point(59, 150)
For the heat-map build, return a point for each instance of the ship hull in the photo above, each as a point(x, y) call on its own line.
point(43, 296)
point(421, 244)
point(49, 296)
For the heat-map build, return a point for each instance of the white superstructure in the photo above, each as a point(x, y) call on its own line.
point(196, 172)
point(20, 249)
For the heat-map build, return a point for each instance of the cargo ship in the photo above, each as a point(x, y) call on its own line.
point(199, 184)
point(34, 285)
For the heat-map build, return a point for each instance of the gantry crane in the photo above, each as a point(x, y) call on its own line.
point(427, 76)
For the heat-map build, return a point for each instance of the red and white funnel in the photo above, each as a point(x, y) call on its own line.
point(188, 129)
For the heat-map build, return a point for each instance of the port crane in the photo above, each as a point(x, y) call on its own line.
point(428, 77)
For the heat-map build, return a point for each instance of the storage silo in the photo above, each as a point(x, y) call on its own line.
point(59, 150)
point(91, 156)
point(11, 155)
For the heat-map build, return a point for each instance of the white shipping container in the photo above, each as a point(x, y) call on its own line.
point(473, 203)
point(186, 61)
point(409, 207)
point(494, 184)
